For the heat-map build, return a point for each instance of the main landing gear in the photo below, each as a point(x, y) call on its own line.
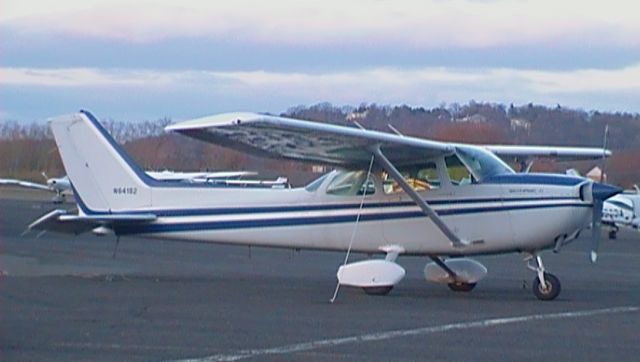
point(461, 286)
point(460, 274)
point(545, 286)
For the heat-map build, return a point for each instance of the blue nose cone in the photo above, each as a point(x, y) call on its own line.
point(603, 191)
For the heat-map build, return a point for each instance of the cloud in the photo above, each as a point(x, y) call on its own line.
point(383, 85)
point(86, 77)
point(369, 24)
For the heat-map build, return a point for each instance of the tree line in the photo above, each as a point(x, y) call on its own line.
point(28, 149)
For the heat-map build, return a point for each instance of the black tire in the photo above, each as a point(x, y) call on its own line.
point(461, 286)
point(553, 287)
point(384, 290)
point(613, 235)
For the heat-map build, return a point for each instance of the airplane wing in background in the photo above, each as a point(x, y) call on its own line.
point(281, 137)
point(191, 176)
point(563, 153)
point(21, 183)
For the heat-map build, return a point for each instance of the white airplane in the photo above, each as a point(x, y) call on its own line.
point(60, 185)
point(622, 210)
point(395, 195)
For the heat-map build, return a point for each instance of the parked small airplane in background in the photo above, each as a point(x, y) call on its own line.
point(393, 194)
point(621, 210)
point(220, 178)
point(60, 185)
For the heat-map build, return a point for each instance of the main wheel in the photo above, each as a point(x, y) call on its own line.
point(551, 291)
point(613, 234)
point(461, 286)
point(384, 290)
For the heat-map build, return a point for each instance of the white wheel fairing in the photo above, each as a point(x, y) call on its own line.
point(370, 273)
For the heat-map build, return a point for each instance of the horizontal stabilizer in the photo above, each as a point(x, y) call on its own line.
point(62, 221)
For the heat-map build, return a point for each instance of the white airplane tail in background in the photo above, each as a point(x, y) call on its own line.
point(103, 176)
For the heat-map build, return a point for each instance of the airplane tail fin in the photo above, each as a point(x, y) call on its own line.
point(104, 178)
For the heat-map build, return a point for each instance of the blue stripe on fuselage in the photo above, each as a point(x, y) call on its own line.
point(308, 207)
point(534, 178)
point(299, 221)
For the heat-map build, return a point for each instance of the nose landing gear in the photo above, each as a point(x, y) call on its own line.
point(546, 286)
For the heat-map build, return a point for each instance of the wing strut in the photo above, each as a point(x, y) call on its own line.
point(397, 176)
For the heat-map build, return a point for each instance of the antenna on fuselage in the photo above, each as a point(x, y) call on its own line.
point(355, 228)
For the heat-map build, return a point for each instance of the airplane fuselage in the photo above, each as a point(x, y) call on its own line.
point(510, 213)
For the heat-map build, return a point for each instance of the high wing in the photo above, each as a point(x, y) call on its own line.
point(281, 137)
point(564, 153)
point(28, 184)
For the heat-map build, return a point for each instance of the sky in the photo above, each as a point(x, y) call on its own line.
point(145, 60)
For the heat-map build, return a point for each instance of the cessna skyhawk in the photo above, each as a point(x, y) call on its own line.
point(393, 194)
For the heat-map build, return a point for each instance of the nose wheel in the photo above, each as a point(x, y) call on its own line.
point(546, 286)
point(549, 290)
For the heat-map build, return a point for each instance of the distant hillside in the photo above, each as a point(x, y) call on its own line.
point(26, 150)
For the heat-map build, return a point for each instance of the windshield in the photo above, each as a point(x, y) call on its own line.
point(350, 183)
point(313, 185)
point(482, 163)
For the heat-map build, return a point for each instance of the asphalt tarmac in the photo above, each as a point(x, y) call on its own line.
point(64, 298)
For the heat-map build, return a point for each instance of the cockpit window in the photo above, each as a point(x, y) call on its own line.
point(481, 163)
point(313, 185)
point(351, 183)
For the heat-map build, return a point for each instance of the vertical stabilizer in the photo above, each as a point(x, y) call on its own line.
point(103, 176)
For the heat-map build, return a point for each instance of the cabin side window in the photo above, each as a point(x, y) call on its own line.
point(421, 178)
point(351, 183)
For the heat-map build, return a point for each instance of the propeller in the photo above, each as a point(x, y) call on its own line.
point(44, 174)
point(600, 192)
point(604, 154)
point(596, 224)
